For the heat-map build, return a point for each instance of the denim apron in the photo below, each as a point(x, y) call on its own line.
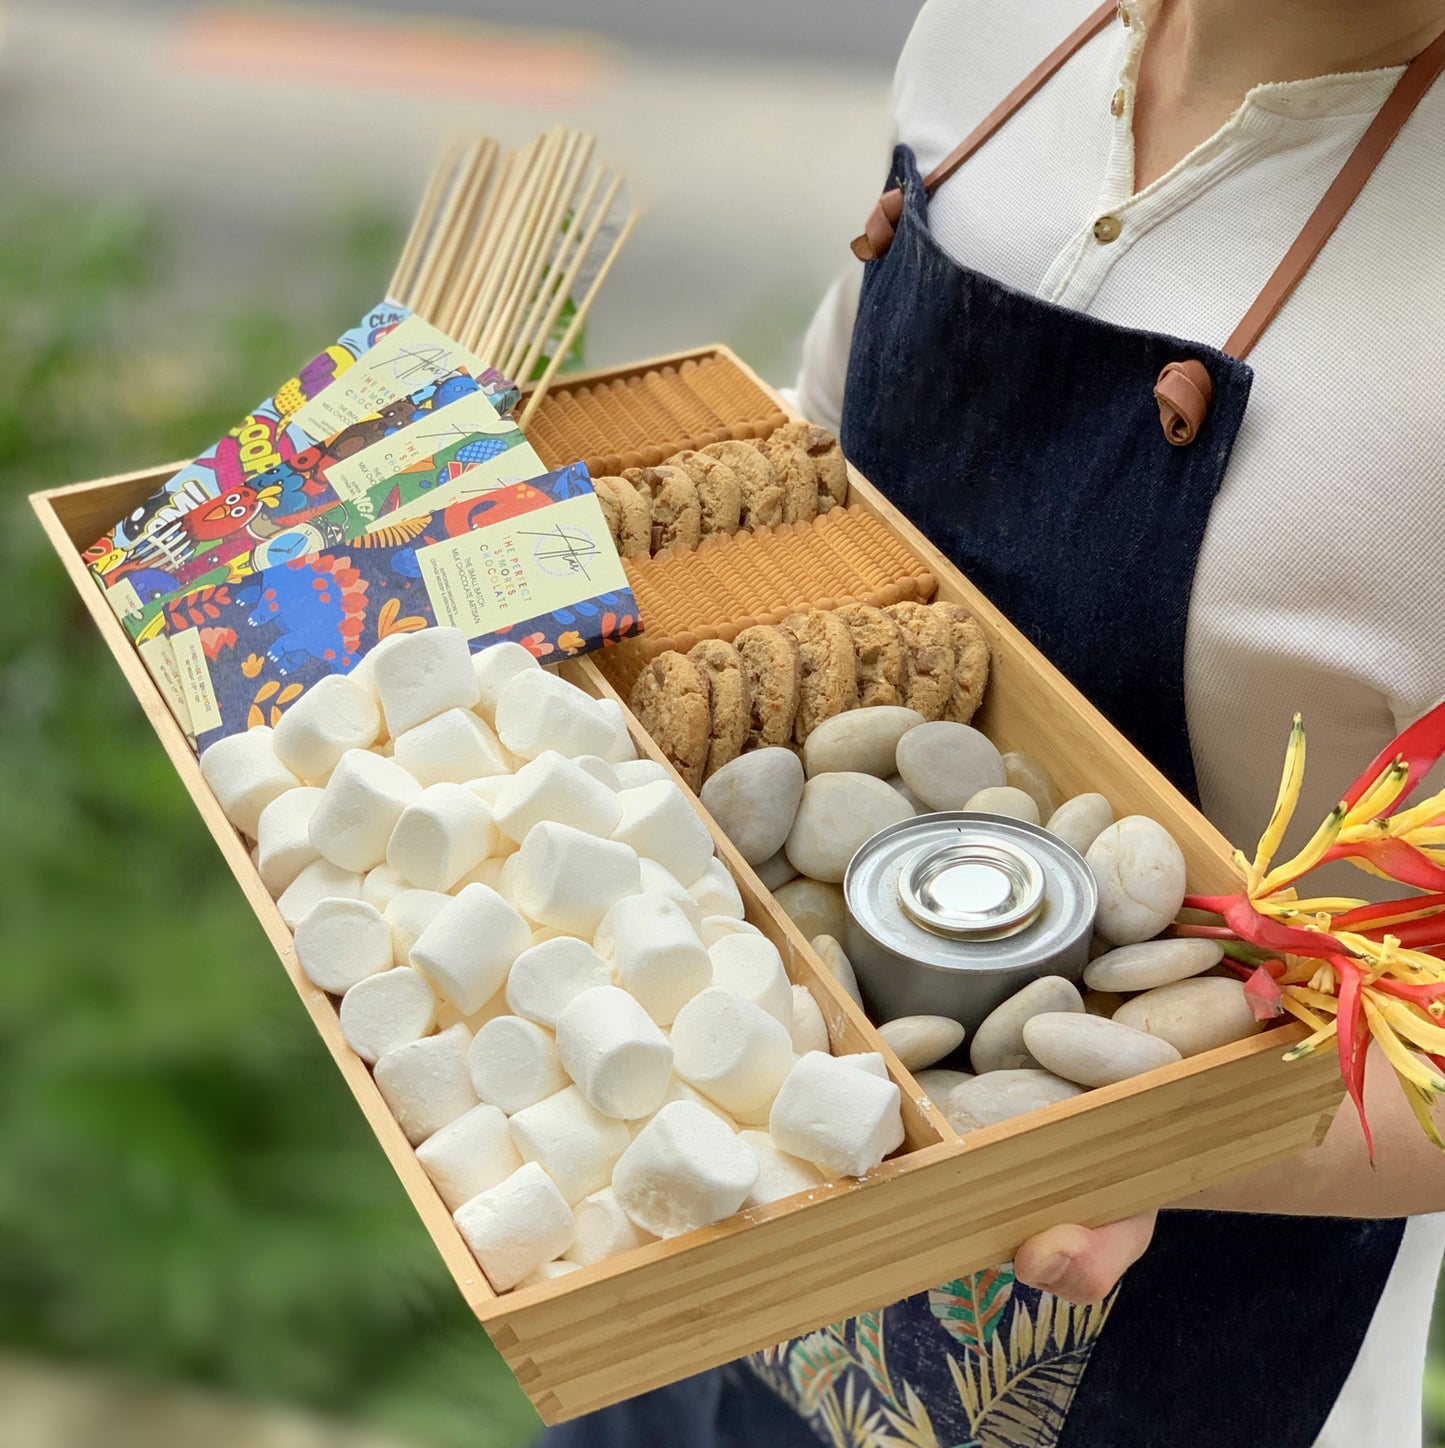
point(1025, 440)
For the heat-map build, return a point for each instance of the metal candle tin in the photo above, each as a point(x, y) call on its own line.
point(950, 914)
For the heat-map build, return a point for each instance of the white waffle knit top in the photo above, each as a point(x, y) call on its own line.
point(1321, 581)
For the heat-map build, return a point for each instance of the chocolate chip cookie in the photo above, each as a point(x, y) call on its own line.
point(731, 700)
point(929, 640)
point(774, 673)
point(881, 653)
point(676, 508)
point(799, 478)
point(672, 701)
point(822, 447)
point(718, 490)
point(763, 496)
point(633, 531)
point(829, 679)
point(970, 666)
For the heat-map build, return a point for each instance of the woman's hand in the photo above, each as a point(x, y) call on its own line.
point(1083, 1264)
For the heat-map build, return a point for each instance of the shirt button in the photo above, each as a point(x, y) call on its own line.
point(1117, 104)
point(1107, 229)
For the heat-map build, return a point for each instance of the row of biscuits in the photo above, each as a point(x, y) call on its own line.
point(790, 476)
point(774, 684)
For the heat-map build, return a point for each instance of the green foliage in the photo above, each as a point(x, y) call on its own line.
point(186, 1188)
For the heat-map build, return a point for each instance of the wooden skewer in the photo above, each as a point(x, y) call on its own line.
point(456, 223)
point(403, 279)
point(588, 238)
point(485, 244)
point(514, 228)
point(547, 290)
point(546, 238)
point(569, 336)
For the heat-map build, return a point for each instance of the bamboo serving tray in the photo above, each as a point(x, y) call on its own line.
point(943, 1205)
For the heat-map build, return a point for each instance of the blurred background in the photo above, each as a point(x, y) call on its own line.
point(200, 1243)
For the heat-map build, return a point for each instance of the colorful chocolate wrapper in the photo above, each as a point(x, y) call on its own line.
point(531, 562)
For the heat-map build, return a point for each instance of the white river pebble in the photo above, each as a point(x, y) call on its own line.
point(1004, 799)
point(837, 814)
point(920, 1041)
point(1093, 1051)
point(859, 741)
point(754, 798)
point(1140, 873)
point(946, 764)
point(1025, 772)
point(1152, 963)
point(1193, 1015)
point(1000, 1095)
point(998, 1043)
point(1081, 820)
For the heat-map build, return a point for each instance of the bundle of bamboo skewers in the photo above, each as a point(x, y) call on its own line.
point(503, 246)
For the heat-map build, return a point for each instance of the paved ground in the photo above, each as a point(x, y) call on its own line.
point(755, 167)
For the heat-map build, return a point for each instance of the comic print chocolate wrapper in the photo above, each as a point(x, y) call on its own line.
point(401, 353)
point(533, 562)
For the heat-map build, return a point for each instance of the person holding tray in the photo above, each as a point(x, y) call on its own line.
point(1041, 358)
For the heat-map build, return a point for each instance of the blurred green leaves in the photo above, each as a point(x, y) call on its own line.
point(186, 1189)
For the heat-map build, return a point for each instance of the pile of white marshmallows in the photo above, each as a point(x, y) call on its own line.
point(537, 951)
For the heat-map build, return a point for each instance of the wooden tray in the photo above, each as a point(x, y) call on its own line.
point(942, 1206)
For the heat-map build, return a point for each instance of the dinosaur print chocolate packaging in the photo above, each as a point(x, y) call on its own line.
point(402, 353)
point(532, 562)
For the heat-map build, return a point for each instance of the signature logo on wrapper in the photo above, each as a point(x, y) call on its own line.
point(562, 551)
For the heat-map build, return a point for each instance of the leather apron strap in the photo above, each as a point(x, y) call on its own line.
point(1184, 390)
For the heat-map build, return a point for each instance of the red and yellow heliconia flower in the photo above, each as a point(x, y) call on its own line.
point(1351, 970)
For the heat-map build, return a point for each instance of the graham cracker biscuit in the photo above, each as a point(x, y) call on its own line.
point(829, 678)
point(763, 496)
point(774, 673)
point(881, 652)
point(718, 490)
point(676, 509)
point(827, 455)
point(799, 478)
point(929, 638)
point(970, 664)
point(731, 700)
point(634, 514)
point(672, 701)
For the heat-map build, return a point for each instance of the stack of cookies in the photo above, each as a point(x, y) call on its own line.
point(774, 684)
point(790, 476)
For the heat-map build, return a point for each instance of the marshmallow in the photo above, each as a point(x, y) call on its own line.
point(426, 1083)
point(658, 821)
point(842, 1119)
point(494, 667)
point(750, 966)
point(537, 711)
point(408, 914)
point(679, 1090)
point(385, 1011)
point(599, 769)
point(569, 880)
point(552, 787)
point(654, 953)
point(245, 776)
point(869, 1061)
point(359, 808)
point(623, 750)
point(549, 1272)
point(685, 1169)
point(633, 773)
point(657, 879)
point(779, 1175)
point(514, 1064)
point(441, 835)
point(452, 747)
point(341, 942)
point(471, 1155)
point(489, 790)
point(516, 1226)
point(715, 927)
point(425, 674)
point(320, 880)
point(335, 714)
point(716, 892)
point(732, 1050)
point(603, 1229)
point(283, 842)
point(806, 1026)
point(545, 978)
point(488, 873)
point(573, 1142)
point(615, 1053)
point(468, 949)
point(364, 672)
point(448, 1015)
point(382, 885)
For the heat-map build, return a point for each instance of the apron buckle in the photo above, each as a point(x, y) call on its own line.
point(1184, 393)
point(877, 234)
